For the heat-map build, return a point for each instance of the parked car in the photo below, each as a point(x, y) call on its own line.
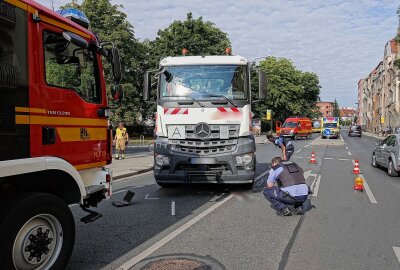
point(355, 130)
point(387, 155)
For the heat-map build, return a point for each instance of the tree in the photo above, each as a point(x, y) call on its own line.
point(336, 110)
point(197, 36)
point(290, 91)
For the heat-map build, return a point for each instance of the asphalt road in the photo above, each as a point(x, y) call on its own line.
point(237, 229)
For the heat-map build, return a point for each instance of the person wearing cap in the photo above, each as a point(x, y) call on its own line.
point(286, 187)
point(120, 140)
point(287, 147)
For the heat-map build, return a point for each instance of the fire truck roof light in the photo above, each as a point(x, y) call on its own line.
point(75, 15)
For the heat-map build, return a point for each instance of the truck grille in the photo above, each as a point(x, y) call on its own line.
point(232, 132)
point(203, 147)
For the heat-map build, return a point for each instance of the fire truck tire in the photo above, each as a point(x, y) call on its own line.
point(37, 231)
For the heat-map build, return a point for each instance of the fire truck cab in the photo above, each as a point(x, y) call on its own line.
point(54, 132)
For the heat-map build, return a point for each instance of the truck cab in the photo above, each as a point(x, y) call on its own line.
point(203, 120)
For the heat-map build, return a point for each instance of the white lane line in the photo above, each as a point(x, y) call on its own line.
point(347, 148)
point(368, 190)
point(344, 159)
point(298, 151)
point(397, 252)
point(262, 175)
point(127, 265)
point(328, 158)
point(307, 145)
point(297, 157)
point(349, 153)
point(316, 188)
point(147, 197)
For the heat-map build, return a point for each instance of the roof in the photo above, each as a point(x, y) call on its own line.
point(347, 112)
point(47, 15)
point(204, 60)
point(393, 46)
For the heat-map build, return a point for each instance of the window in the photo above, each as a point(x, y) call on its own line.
point(69, 66)
point(202, 81)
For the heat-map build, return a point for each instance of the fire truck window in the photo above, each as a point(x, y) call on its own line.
point(71, 67)
point(13, 64)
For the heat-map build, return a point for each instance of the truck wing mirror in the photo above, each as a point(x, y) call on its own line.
point(117, 93)
point(115, 60)
point(262, 85)
point(147, 86)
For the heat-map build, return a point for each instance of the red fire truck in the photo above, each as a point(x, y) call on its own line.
point(54, 134)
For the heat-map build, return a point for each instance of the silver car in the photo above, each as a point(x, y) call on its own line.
point(387, 155)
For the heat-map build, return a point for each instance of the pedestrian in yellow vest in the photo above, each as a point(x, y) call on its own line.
point(120, 140)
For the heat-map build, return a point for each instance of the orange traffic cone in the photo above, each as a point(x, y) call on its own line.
point(356, 169)
point(313, 160)
point(358, 183)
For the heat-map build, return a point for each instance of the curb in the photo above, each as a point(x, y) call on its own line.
point(132, 173)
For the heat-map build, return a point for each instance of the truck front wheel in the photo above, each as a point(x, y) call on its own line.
point(37, 232)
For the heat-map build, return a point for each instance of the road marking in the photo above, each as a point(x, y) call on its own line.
point(344, 159)
point(262, 175)
point(306, 146)
point(349, 153)
point(298, 151)
point(315, 186)
point(297, 157)
point(397, 252)
point(147, 197)
point(347, 148)
point(127, 265)
point(328, 158)
point(368, 190)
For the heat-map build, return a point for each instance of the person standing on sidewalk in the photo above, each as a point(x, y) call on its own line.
point(286, 146)
point(120, 140)
point(291, 188)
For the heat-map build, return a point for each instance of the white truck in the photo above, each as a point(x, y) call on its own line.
point(203, 120)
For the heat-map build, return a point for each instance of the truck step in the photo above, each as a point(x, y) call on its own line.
point(93, 215)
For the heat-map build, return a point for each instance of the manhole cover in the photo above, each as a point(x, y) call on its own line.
point(179, 262)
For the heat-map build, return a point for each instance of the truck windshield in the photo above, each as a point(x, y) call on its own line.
point(330, 125)
point(204, 82)
point(289, 125)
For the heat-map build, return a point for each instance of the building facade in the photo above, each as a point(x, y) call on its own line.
point(379, 94)
point(325, 108)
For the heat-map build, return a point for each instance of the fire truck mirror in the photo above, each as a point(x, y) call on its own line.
point(75, 39)
point(116, 64)
point(117, 93)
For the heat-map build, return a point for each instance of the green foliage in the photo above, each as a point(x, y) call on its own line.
point(291, 92)
point(336, 110)
point(197, 36)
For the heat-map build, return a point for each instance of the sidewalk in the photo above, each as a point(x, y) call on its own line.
point(373, 135)
point(131, 166)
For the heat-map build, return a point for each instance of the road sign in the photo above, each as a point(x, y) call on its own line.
point(268, 115)
point(327, 132)
point(382, 120)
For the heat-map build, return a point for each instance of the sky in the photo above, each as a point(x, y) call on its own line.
point(340, 41)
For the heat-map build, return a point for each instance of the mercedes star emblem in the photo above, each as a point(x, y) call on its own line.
point(202, 130)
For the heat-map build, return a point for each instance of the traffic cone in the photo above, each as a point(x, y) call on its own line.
point(358, 183)
point(313, 160)
point(356, 169)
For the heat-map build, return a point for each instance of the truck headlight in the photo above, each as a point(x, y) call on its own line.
point(161, 160)
point(245, 159)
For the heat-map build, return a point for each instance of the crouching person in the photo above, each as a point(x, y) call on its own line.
point(286, 186)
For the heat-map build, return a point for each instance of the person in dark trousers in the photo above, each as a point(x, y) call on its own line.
point(286, 146)
point(286, 186)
